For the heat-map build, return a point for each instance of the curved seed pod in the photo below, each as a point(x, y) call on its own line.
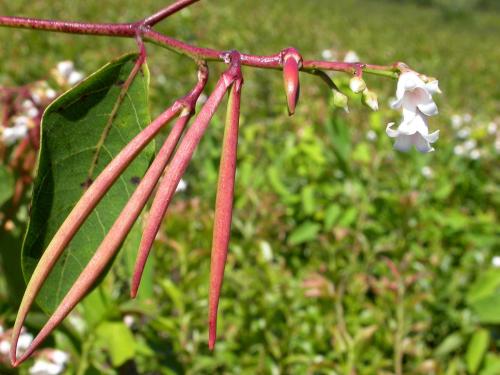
point(179, 164)
point(116, 235)
point(79, 214)
point(86, 204)
point(292, 62)
point(223, 207)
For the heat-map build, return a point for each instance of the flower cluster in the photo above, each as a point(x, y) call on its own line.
point(470, 137)
point(49, 362)
point(24, 342)
point(66, 75)
point(414, 96)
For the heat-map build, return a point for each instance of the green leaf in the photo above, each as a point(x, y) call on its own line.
point(450, 344)
point(303, 233)
point(491, 365)
point(117, 340)
point(485, 285)
point(6, 185)
point(476, 350)
point(332, 214)
point(488, 309)
point(79, 138)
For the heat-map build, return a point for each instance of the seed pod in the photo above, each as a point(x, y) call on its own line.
point(357, 84)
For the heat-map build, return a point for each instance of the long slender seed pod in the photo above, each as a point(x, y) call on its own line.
point(180, 161)
point(92, 197)
point(114, 238)
point(79, 214)
point(223, 207)
point(156, 169)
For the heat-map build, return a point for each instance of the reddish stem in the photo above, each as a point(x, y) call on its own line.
point(143, 28)
point(223, 207)
point(168, 11)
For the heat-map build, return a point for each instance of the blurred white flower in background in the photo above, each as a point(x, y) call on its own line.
point(456, 121)
point(182, 186)
point(49, 362)
point(351, 57)
point(29, 108)
point(23, 343)
point(19, 130)
point(492, 128)
point(475, 154)
point(66, 75)
point(495, 261)
point(371, 135)
point(414, 96)
point(201, 99)
point(327, 54)
point(427, 172)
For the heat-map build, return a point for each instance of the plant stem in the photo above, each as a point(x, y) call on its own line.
point(143, 29)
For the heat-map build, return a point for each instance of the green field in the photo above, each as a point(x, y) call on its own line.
point(346, 256)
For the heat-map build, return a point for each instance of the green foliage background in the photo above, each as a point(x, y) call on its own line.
point(345, 258)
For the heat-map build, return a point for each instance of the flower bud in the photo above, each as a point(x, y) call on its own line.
point(357, 84)
point(292, 63)
point(340, 100)
point(370, 99)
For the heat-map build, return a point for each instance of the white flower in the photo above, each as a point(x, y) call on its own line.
point(492, 128)
point(24, 342)
point(66, 75)
point(202, 99)
point(327, 54)
point(43, 367)
point(414, 96)
point(371, 135)
point(470, 144)
point(463, 133)
point(58, 357)
point(475, 154)
point(351, 57)
point(413, 132)
point(129, 320)
point(427, 172)
point(459, 150)
point(51, 93)
point(4, 347)
point(456, 121)
point(74, 78)
point(181, 186)
point(11, 135)
point(495, 261)
point(29, 108)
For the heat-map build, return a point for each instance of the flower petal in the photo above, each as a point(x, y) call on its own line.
point(403, 142)
point(433, 87)
point(391, 132)
point(430, 108)
point(422, 144)
point(433, 137)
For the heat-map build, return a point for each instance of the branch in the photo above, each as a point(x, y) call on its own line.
point(168, 11)
point(143, 28)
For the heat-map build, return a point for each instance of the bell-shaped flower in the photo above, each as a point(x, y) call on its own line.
point(414, 94)
point(413, 131)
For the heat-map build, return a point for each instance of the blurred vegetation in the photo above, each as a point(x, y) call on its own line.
point(346, 257)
